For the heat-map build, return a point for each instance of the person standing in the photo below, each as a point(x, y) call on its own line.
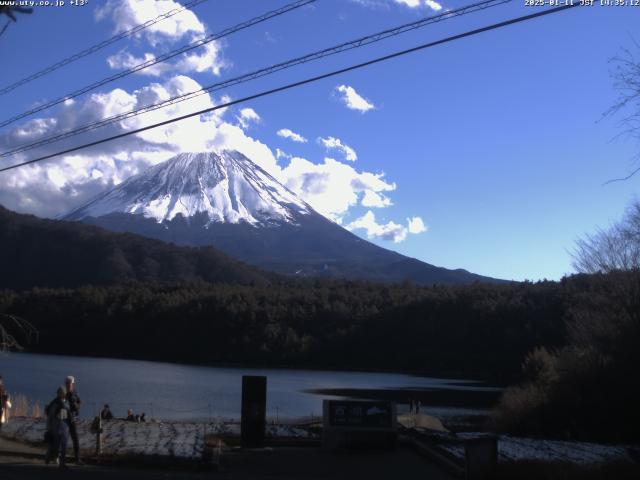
point(5, 404)
point(58, 414)
point(74, 402)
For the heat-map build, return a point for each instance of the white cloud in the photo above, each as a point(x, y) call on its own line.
point(210, 59)
point(331, 187)
point(419, 3)
point(248, 116)
point(416, 225)
point(52, 187)
point(433, 5)
point(282, 154)
point(373, 199)
point(353, 100)
point(125, 60)
point(233, 137)
point(221, 101)
point(127, 14)
point(332, 142)
point(389, 231)
point(293, 136)
point(374, 4)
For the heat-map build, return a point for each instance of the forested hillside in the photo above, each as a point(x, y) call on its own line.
point(480, 330)
point(48, 253)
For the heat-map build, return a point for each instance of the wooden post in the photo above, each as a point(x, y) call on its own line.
point(99, 435)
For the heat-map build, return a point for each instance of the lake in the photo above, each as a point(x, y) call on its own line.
point(180, 392)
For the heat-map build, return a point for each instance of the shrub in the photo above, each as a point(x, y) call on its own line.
point(23, 407)
point(589, 389)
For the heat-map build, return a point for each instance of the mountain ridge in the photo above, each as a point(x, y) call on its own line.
point(225, 200)
point(37, 252)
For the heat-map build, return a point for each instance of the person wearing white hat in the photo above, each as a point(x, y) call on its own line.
point(73, 399)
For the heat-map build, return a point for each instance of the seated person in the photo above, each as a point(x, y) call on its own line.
point(105, 413)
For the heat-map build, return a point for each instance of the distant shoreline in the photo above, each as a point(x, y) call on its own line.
point(432, 397)
point(458, 378)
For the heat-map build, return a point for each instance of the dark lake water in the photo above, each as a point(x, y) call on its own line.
point(174, 391)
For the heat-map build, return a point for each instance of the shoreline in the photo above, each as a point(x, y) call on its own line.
point(458, 377)
point(451, 398)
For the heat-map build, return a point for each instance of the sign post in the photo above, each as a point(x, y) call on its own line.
point(359, 424)
point(254, 410)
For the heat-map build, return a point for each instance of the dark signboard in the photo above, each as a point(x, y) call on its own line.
point(254, 408)
point(359, 414)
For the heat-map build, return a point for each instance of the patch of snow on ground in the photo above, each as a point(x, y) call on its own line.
point(519, 448)
point(182, 440)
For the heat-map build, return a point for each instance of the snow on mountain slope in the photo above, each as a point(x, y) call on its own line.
point(225, 185)
point(220, 199)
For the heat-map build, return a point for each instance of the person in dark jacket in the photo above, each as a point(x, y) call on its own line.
point(73, 399)
point(105, 413)
point(58, 413)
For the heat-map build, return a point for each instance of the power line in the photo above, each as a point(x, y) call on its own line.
point(162, 58)
point(262, 72)
point(360, 42)
point(99, 46)
point(306, 81)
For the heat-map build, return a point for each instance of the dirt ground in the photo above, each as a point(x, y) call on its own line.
point(293, 463)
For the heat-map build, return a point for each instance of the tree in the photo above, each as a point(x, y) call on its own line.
point(626, 80)
point(10, 326)
point(10, 12)
point(615, 248)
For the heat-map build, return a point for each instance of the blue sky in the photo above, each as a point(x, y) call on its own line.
point(495, 142)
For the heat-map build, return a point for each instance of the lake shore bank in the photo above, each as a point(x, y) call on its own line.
point(483, 398)
point(454, 375)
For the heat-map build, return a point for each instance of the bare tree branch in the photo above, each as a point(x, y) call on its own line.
point(6, 25)
point(616, 248)
point(623, 178)
point(625, 73)
point(10, 327)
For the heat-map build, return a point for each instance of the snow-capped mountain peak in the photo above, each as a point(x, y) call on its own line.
point(226, 186)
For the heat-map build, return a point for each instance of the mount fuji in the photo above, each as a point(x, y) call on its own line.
point(225, 187)
point(225, 200)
